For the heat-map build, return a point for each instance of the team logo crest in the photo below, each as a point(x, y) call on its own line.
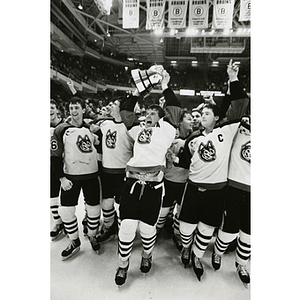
point(84, 144)
point(207, 152)
point(145, 136)
point(110, 140)
point(246, 152)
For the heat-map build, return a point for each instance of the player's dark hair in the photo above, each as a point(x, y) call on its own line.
point(160, 110)
point(54, 102)
point(75, 100)
point(214, 107)
point(183, 114)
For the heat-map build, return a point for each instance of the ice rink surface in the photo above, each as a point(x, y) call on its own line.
point(89, 276)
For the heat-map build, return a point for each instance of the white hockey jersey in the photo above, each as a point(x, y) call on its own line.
point(240, 160)
point(75, 145)
point(210, 157)
point(174, 173)
point(116, 146)
point(150, 146)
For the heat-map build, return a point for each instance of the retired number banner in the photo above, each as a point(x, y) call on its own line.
point(131, 13)
point(155, 14)
point(198, 13)
point(222, 14)
point(177, 13)
point(245, 10)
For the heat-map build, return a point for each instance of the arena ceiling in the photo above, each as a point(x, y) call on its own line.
point(78, 25)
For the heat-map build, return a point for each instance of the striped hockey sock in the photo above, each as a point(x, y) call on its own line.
point(93, 219)
point(71, 228)
point(126, 236)
point(187, 233)
point(148, 237)
point(176, 224)
point(223, 240)
point(204, 234)
point(162, 217)
point(108, 217)
point(54, 204)
point(243, 250)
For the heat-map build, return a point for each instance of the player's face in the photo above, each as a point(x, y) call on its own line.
point(187, 122)
point(76, 112)
point(53, 111)
point(152, 118)
point(196, 118)
point(208, 119)
point(103, 111)
point(115, 108)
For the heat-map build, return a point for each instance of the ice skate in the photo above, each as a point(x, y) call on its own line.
point(197, 266)
point(107, 234)
point(146, 264)
point(71, 250)
point(177, 241)
point(95, 244)
point(121, 276)
point(216, 261)
point(185, 256)
point(57, 231)
point(243, 274)
point(84, 225)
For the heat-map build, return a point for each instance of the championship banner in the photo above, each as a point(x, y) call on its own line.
point(222, 14)
point(177, 13)
point(131, 13)
point(155, 14)
point(245, 10)
point(198, 13)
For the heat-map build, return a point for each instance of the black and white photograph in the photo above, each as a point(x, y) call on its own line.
point(145, 191)
point(150, 134)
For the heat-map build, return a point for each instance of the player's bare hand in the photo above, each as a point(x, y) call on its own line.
point(232, 70)
point(66, 184)
point(94, 128)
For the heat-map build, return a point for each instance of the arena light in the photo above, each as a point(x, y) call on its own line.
point(158, 31)
point(183, 92)
point(191, 31)
point(173, 31)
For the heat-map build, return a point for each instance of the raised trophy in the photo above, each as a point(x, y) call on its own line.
point(146, 80)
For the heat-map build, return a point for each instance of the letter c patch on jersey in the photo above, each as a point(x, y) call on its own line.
point(84, 144)
point(207, 152)
point(144, 136)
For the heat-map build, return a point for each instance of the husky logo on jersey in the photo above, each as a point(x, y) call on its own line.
point(84, 144)
point(145, 136)
point(246, 152)
point(111, 138)
point(207, 152)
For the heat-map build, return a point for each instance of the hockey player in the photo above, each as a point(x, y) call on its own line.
point(143, 189)
point(175, 179)
point(116, 152)
point(58, 229)
point(237, 205)
point(75, 162)
point(203, 202)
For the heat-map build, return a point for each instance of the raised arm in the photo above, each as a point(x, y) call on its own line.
point(172, 104)
point(236, 101)
point(127, 109)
